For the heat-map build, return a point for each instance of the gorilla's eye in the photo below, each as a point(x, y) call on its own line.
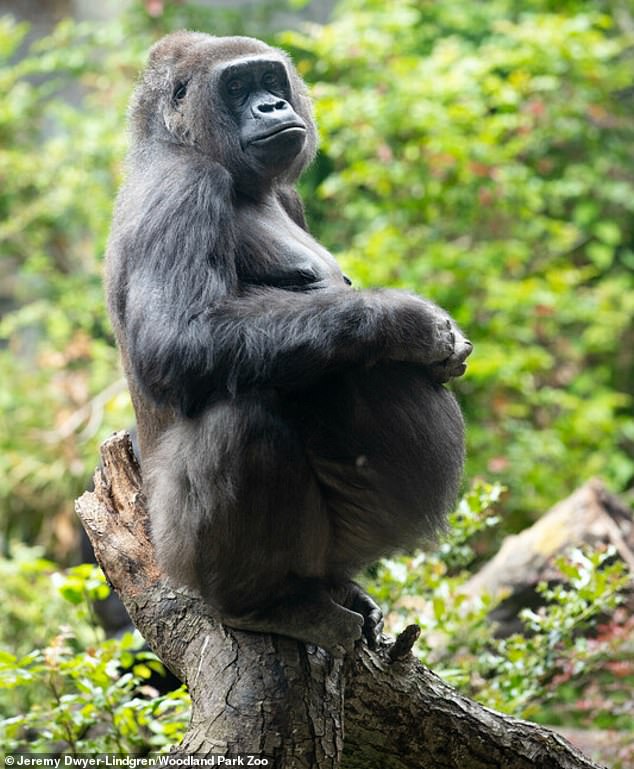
point(179, 91)
point(271, 81)
point(235, 87)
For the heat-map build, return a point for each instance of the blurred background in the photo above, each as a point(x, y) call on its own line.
point(481, 154)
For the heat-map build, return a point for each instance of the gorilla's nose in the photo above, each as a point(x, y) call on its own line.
point(465, 349)
point(270, 105)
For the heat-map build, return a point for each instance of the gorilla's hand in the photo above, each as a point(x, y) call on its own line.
point(415, 330)
point(427, 336)
point(459, 349)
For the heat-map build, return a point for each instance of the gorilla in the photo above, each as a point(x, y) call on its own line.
point(292, 429)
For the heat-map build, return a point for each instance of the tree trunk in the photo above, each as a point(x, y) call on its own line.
point(275, 698)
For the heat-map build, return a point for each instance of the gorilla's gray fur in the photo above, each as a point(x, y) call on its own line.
point(292, 429)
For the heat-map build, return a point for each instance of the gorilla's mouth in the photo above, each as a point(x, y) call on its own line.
point(288, 130)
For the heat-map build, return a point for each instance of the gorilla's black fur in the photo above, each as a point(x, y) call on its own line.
point(292, 429)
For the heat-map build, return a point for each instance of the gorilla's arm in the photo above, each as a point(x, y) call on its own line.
point(192, 332)
point(274, 338)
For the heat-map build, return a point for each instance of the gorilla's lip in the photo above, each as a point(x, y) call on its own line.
point(276, 131)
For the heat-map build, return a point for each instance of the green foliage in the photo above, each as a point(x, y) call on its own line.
point(76, 692)
point(518, 669)
point(483, 156)
point(601, 695)
point(31, 606)
point(60, 166)
point(479, 153)
point(85, 704)
point(518, 674)
point(80, 693)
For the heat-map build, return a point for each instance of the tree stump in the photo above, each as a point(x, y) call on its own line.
point(284, 702)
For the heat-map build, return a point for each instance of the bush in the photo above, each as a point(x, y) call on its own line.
point(75, 691)
point(60, 169)
point(522, 674)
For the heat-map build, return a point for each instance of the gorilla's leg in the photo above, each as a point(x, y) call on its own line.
point(309, 613)
point(387, 447)
point(237, 513)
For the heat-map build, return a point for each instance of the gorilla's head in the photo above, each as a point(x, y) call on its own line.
point(232, 100)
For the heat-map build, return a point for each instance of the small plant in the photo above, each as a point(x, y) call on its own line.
point(517, 674)
point(77, 697)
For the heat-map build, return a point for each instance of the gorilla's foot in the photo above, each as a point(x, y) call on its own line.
point(321, 622)
point(351, 596)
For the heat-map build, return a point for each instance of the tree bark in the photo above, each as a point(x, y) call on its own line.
point(275, 698)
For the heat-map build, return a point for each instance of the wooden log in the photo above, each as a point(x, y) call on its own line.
point(279, 699)
point(590, 516)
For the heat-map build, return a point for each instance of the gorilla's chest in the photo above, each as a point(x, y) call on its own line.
point(277, 252)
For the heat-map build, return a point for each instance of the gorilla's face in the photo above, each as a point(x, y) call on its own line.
point(236, 101)
point(257, 93)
